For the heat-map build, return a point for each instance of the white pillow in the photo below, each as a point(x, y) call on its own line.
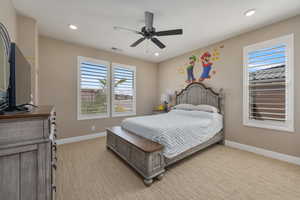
point(185, 107)
point(206, 108)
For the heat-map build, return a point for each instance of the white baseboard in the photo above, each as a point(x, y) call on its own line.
point(264, 152)
point(80, 138)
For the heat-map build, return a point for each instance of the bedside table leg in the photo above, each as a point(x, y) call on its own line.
point(148, 182)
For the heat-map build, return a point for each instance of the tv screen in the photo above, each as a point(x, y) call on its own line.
point(20, 79)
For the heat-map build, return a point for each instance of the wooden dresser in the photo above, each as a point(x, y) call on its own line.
point(28, 155)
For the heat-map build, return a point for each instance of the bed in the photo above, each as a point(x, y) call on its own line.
point(151, 143)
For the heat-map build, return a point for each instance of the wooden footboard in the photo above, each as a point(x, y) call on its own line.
point(143, 155)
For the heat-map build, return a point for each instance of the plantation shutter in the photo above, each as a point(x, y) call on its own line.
point(123, 90)
point(267, 83)
point(268, 89)
point(93, 88)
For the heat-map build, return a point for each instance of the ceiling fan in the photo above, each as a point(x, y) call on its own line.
point(149, 32)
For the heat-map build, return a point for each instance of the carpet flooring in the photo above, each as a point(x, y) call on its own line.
point(87, 171)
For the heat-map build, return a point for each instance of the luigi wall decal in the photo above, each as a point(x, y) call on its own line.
point(190, 69)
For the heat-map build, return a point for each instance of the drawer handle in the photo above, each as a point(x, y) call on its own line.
point(55, 158)
point(54, 147)
point(54, 188)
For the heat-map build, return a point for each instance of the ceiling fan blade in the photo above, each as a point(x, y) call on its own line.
point(118, 28)
point(149, 20)
point(169, 32)
point(158, 43)
point(137, 42)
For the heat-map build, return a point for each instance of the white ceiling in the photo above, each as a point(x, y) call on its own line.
point(203, 21)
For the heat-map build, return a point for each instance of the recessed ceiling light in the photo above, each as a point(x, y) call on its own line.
point(250, 12)
point(73, 27)
point(156, 54)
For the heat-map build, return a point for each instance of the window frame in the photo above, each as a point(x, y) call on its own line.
point(117, 114)
point(80, 116)
point(288, 125)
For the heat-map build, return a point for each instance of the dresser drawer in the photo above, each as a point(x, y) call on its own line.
point(21, 131)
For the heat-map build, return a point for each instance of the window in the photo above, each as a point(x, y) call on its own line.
point(105, 90)
point(123, 90)
point(93, 95)
point(268, 84)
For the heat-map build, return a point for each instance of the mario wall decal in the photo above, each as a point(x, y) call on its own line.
point(207, 66)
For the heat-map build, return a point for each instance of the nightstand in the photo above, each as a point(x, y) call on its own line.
point(156, 112)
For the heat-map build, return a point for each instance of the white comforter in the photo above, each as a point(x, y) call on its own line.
point(177, 130)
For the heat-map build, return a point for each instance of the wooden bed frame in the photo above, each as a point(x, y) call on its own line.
point(146, 156)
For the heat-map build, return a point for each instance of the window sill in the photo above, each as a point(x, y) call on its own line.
point(273, 126)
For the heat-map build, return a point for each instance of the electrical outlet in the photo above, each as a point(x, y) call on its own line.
point(93, 128)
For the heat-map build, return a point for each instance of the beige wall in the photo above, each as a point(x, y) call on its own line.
point(27, 31)
point(8, 18)
point(58, 84)
point(229, 76)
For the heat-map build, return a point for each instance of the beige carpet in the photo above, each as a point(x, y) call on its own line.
point(87, 171)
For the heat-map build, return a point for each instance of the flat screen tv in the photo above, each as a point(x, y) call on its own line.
point(19, 90)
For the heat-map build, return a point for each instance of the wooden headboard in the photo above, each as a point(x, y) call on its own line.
point(197, 93)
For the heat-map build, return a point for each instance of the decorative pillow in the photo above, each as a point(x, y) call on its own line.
point(206, 108)
point(185, 107)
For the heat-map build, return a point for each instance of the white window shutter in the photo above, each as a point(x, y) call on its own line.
point(268, 94)
point(123, 90)
point(93, 89)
